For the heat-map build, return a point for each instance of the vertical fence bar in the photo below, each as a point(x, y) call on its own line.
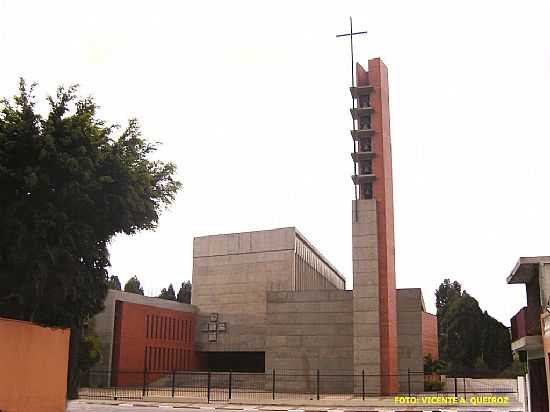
point(363, 382)
point(464, 385)
point(208, 389)
point(173, 382)
point(456, 389)
point(273, 383)
point(229, 384)
point(409, 380)
point(318, 379)
point(144, 382)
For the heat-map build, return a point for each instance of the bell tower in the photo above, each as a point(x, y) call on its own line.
point(374, 295)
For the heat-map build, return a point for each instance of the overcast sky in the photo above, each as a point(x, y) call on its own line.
point(250, 100)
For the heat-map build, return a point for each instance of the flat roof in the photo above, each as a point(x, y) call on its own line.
point(525, 269)
point(297, 234)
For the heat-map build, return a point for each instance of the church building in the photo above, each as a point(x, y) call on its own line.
point(269, 300)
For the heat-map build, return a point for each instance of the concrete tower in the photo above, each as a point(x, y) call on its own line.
point(374, 296)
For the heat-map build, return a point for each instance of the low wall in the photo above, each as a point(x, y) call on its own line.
point(34, 367)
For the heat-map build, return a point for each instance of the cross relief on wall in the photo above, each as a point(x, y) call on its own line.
point(213, 327)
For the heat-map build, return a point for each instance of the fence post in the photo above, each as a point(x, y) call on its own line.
point(318, 379)
point(464, 385)
point(208, 390)
point(173, 382)
point(230, 384)
point(409, 380)
point(363, 382)
point(144, 382)
point(273, 383)
point(456, 389)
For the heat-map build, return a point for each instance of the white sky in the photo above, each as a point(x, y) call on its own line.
point(250, 100)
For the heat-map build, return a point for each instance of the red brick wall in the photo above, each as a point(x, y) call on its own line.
point(377, 77)
point(153, 338)
point(429, 335)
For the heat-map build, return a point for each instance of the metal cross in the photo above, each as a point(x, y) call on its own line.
point(351, 34)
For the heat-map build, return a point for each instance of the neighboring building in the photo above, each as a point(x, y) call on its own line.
point(527, 334)
point(138, 332)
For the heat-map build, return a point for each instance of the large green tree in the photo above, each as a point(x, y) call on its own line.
point(469, 340)
point(68, 185)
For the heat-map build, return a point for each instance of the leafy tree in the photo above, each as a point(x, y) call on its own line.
point(433, 366)
point(184, 294)
point(67, 187)
point(168, 294)
point(462, 323)
point(133, 286)
point(445, 292)
point(496, 343)
point(469, 340)
point(114, 283)
point(89, 352)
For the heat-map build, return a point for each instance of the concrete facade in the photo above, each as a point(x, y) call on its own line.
point(233, 273)
point(308, 331)
point(323, 328)
point(409, 317)
point(366, 297)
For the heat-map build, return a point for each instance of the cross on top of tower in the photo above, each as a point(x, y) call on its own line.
point(351, 34)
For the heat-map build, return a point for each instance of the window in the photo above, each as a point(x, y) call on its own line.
point(366, 190)
point(364, 101)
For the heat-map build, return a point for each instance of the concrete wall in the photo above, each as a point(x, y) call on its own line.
point(409, 329)
point(244, 332)
point(310, 330)
point(231, 273)
point(33, 362)
point(103, 323)
point(366, 297)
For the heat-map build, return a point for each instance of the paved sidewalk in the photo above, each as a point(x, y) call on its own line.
point(369, 404)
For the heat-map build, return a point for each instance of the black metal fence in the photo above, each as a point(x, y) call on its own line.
point(277, 385)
